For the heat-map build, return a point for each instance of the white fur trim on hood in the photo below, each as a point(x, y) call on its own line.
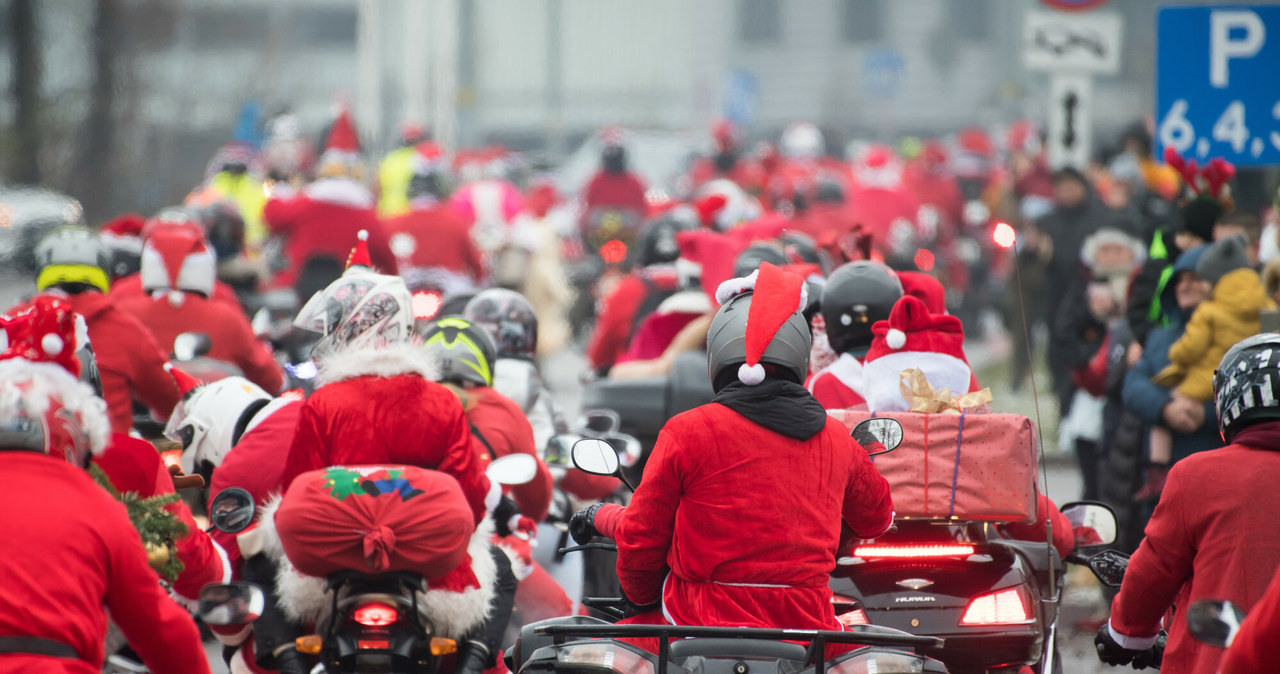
point(846, 369)
point(882, 375)
point(686, 302)
point(50, 380)
point(339, 191)
point(451, 614)
point(387, 360)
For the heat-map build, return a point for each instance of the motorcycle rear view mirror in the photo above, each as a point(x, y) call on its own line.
point(1109, 567)
point(883, 430)
point(600, 422)
point(594, 456)
point(231, 604)
point(1093, 523)
point(1214, 621)
point(513, 469)
point(191, 345)
point(231, 510)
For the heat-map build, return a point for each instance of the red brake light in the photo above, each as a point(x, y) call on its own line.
point(1006, 607)
point(924, 259)
point(426, 304)
point(613, 252)
point(855, 617)
point(1004, 235)
point(913, 551)
point(172, 457)
point(375, 614)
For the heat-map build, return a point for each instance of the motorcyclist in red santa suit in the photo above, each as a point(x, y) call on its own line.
point(857, 295)
point(1212, 535)
point(77, 554)
point(178, 275)
point(716, 534)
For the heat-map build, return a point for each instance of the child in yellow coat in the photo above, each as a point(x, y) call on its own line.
point(1228, 316)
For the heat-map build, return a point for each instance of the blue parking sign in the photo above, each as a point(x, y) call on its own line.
point(1218, 82)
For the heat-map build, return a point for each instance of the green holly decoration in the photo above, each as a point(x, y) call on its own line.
point(342, 482)
point(159, 528)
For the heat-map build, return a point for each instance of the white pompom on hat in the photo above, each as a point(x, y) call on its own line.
point(776, 296)
point(913, 337)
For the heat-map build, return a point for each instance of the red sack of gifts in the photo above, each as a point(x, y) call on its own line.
point(972, 466)
point(375, 519)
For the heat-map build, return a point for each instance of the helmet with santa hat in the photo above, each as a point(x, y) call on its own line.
point(341, 157)
point(759, 330)
point(913, 337)
point(43, 406)
point(360, 309)
point(73, 259)
point(177, 259)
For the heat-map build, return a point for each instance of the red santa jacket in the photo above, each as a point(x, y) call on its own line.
point(79, 554)
point(131, 286)
point(256, 463)
point(438, 238)
point(231, 337)
point(323, 221)
point(737, 525)
point(500, 428)
point(623, 191)
point(376, 406)
point(838, 386)
point(618, 317)
point(130, 363)
point(1207, 539)
point(659, 329)
point(1253, 651)
point(133, 464)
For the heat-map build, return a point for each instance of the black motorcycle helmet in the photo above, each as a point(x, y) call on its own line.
point(224, 227)
point(856, 296)
point(1246, 384)
point(756, 254)
point(657, 243)
point(508, 318)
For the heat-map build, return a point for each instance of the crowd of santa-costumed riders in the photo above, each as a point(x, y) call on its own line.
point(427, 290)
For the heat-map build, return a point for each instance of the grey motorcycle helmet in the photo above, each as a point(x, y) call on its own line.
point(1246, 384)
point(788, 351)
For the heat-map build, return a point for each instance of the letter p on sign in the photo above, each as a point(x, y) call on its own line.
point(1235, 33)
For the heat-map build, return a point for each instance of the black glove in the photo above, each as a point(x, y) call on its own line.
point(582, 526)
point(474, 660)
point(290, 661)
point(1114, 654)
point(502, 514)
point(1152, 656)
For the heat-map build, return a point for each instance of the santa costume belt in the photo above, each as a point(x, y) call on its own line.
point(718, 582)
point(37, 646)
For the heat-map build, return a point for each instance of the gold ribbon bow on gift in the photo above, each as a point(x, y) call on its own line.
point(921, 397)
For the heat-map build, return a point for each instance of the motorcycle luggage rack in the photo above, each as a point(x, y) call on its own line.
point(818, 639)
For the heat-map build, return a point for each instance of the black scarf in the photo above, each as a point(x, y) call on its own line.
point(781, 406)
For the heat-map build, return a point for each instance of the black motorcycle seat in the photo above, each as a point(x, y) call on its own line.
point(743, 649)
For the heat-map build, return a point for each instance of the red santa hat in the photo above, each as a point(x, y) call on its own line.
point(925, 288)
point(177, 259)
point(123, 232)
point(359, 257)
point(913, 337)
point(185, 382)
point(44, 330)
point(776, 296)
point(342, 148)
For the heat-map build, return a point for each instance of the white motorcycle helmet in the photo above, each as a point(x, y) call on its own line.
point(211, 419)
point(802, 140)
point(360, 309)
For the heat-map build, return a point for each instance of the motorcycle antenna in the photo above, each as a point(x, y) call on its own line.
point(1006, 237)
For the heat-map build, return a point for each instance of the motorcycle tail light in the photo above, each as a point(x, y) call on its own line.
point(855, 617)
point(373, 644)
point(375, 614)
point(1005, 607)
point(172, 457)
point(913, 551)
point(426, 304)
point(613, 252)
point(606, 656)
